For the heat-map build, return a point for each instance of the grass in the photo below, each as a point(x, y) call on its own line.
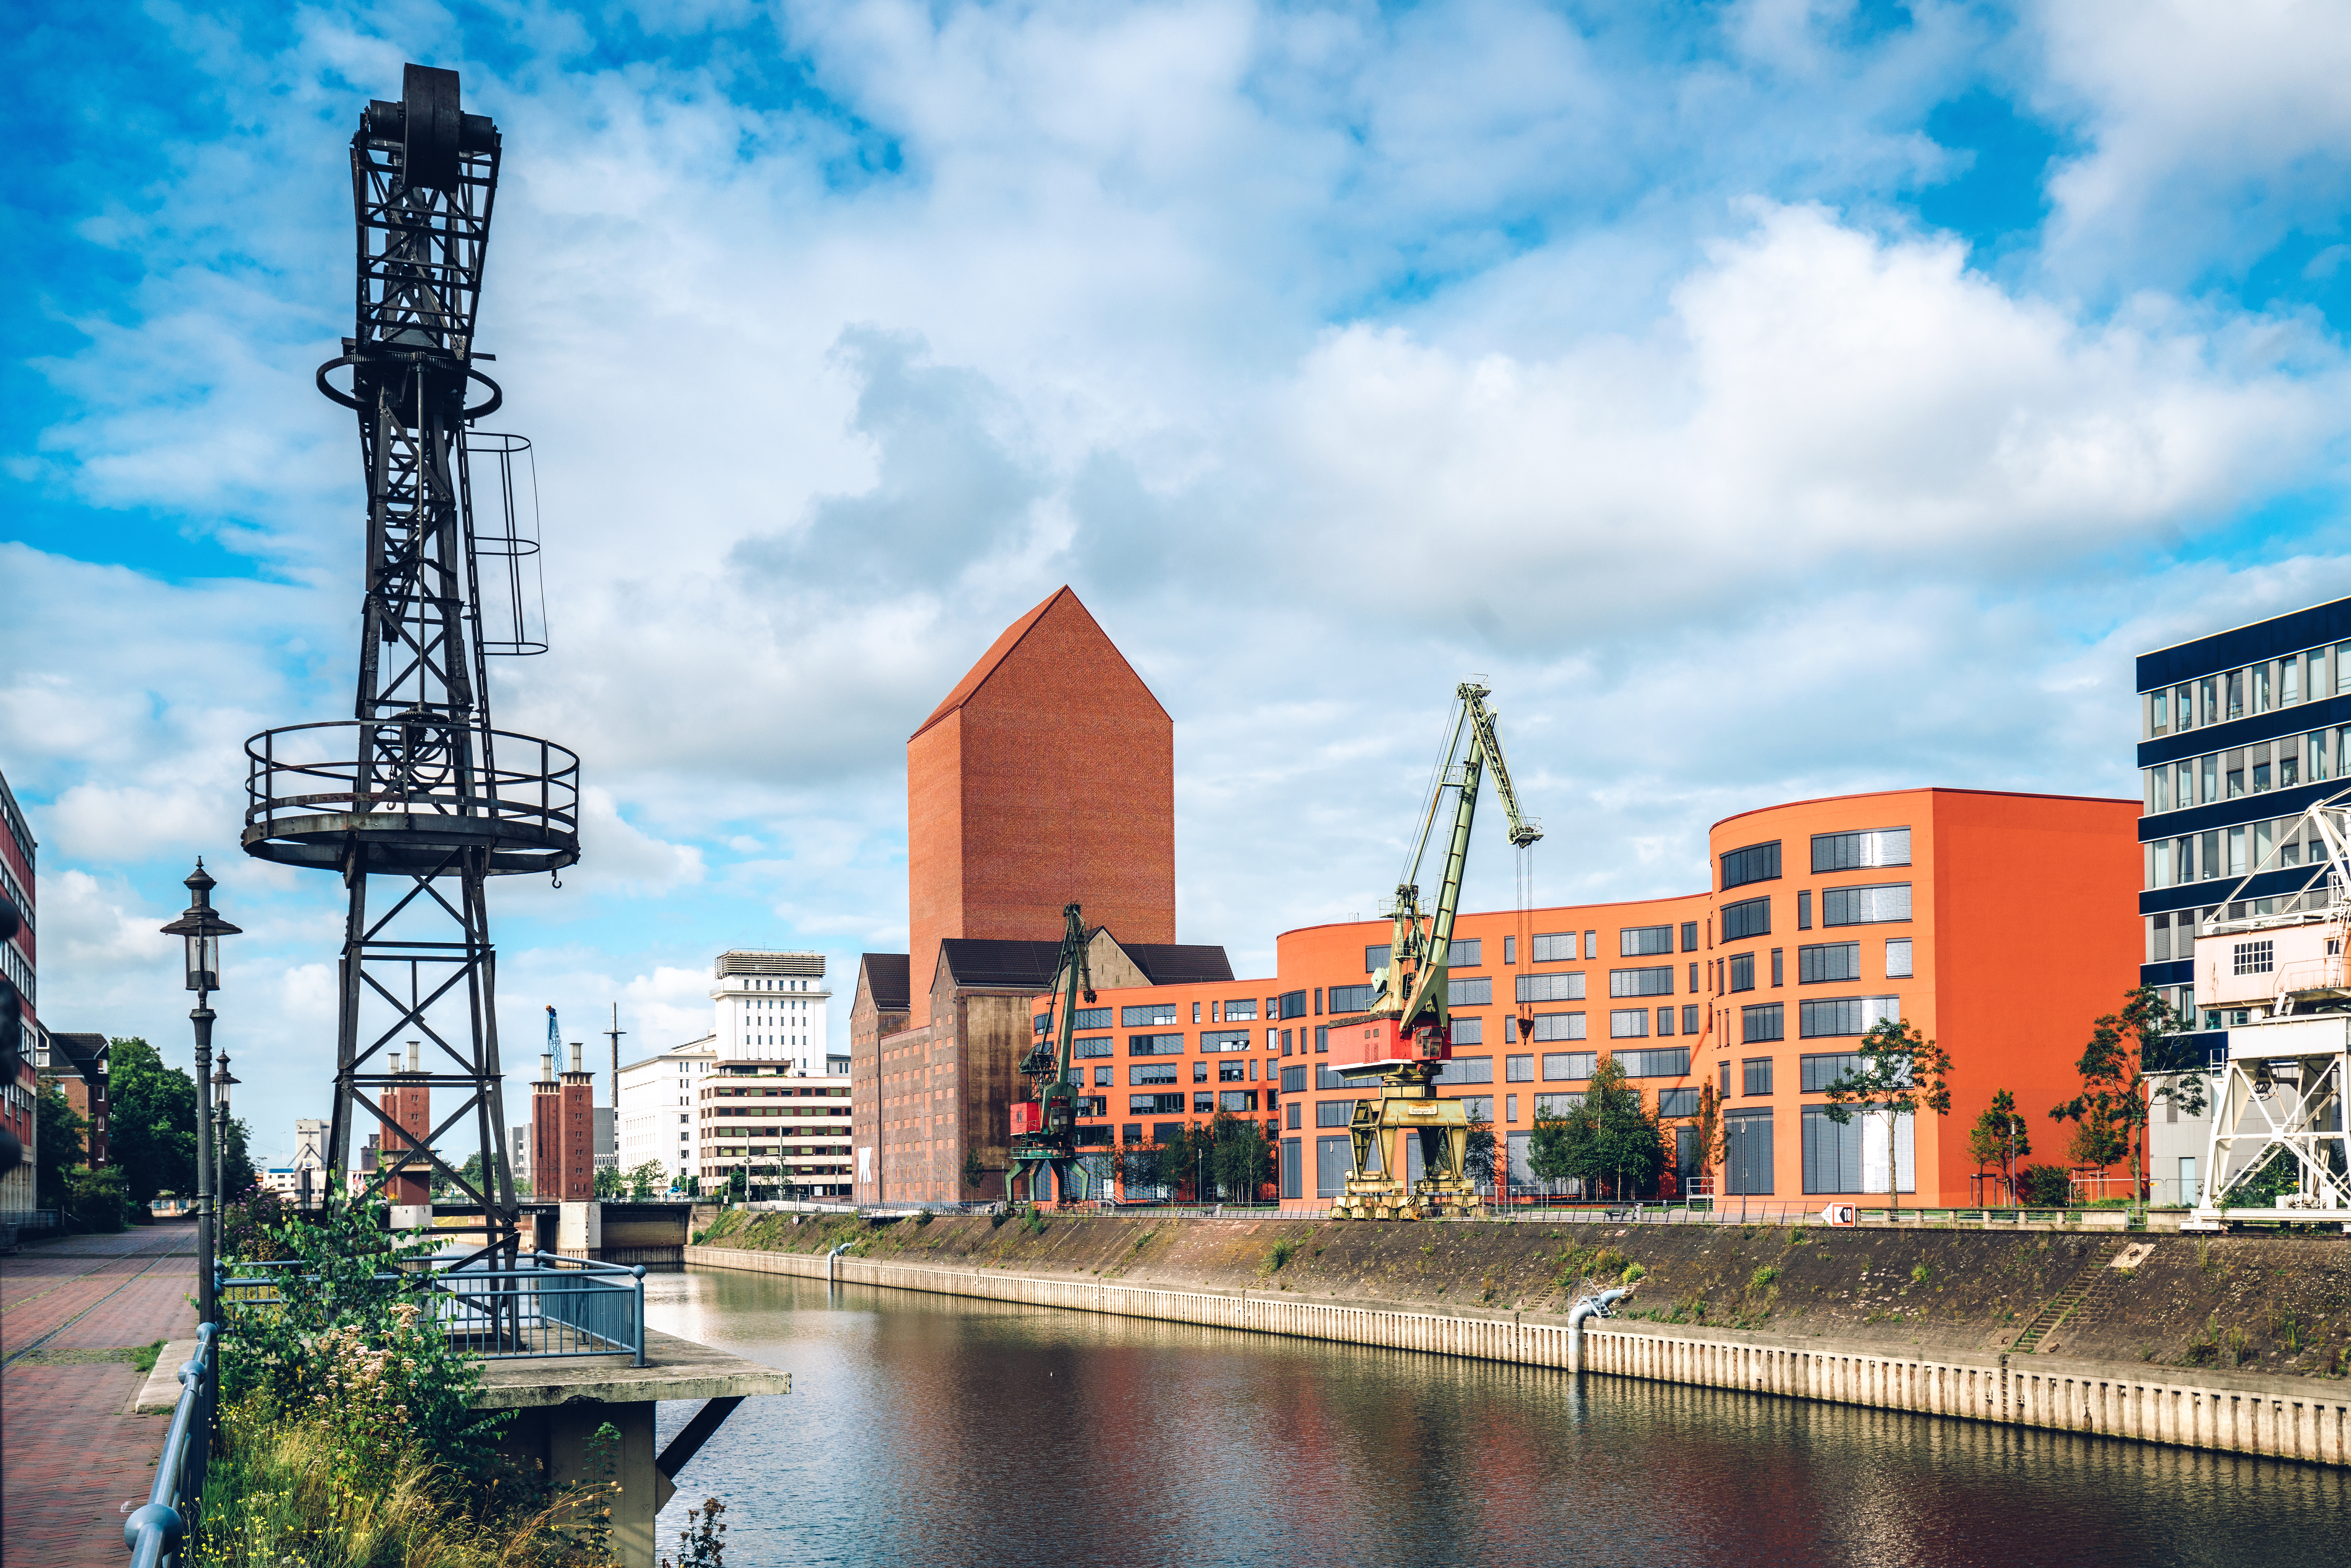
point(273, 1496)
point(1763, 1278)
point(1283, 1251)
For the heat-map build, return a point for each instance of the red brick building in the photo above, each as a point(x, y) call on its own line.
point(400, 1140)
point(20, 1095)
point(74, 1066)
point(1046, 776)
point(563, 1132)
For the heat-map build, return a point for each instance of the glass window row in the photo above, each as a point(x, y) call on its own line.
point(2311, 675)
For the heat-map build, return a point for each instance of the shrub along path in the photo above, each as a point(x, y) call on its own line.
point(71, 1455)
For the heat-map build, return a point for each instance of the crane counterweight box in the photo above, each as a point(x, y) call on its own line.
point(1367, 1042)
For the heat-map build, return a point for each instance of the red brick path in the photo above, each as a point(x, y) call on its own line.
point(71, 1455)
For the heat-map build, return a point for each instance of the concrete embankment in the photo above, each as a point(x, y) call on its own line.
point(1918, 1321)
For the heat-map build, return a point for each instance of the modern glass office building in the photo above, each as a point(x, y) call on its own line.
point(2239, 733)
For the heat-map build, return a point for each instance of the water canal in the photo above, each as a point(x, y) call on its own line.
point(933, 1430)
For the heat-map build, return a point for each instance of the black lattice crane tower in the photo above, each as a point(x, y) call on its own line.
point(1044, 1127)
point(416, 801)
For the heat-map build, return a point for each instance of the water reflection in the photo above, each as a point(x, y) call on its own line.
point(928, 1430)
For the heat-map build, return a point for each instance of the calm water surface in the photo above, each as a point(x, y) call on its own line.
point(928, 1430)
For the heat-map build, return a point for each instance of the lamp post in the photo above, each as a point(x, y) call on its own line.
point(201, 929)
point(221, 1083)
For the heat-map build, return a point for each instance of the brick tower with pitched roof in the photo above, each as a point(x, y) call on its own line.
point(1047, 775)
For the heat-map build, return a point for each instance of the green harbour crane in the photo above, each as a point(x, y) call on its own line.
point(1404, 1039)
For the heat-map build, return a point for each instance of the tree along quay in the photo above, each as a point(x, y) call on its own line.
point(2234, 1343)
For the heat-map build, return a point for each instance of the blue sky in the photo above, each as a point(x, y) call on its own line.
point(1770, 400)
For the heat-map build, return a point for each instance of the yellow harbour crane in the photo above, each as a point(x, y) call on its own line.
point(1405, 1036)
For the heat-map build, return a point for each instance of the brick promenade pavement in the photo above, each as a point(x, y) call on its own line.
point(71, 1454)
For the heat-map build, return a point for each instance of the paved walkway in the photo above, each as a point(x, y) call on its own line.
point(73, 1462)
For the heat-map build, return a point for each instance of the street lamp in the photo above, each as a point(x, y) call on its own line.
point(201, 929)
point(221, 1083)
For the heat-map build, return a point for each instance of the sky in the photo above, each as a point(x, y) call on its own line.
point(1768, 400)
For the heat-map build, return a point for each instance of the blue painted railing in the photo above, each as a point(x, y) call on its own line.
point(155, 1532)
point(547, 1305)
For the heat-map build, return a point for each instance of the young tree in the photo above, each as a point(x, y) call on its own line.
point(1999, 1138)
point(641, 1179)
point(2114, 1072)
point(1550, 1147)
point(1478, 1159)
point(152, 1136)
point(1611, 1135)
point(1710, 1129)
point(1900, 1072)
point(60, 1148)
point(1184, 1160)
point(237, 1175)
point(608, 1181)
point(1241, 1161)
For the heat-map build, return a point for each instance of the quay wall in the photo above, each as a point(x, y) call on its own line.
point(2295, 1418)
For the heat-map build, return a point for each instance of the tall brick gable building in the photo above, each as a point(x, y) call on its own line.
point(1047, 774)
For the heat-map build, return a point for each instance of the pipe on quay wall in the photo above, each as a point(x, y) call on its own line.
point(1589, 1307)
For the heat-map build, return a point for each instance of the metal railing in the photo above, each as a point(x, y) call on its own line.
point(155, 1532)
point(548, 1305)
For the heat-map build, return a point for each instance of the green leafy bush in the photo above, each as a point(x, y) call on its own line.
point(353, 1341)
point(2045, 1187)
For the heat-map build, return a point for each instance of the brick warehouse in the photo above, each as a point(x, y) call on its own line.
point(1047, 774)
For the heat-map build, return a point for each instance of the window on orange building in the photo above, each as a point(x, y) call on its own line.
point(1742, 972)
point(1898, 958)
point(1755, 862)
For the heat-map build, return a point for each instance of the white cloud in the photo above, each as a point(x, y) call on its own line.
point(2213, 131)
point(1332, 355)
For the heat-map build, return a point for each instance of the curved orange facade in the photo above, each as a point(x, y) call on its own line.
point(2000, 923)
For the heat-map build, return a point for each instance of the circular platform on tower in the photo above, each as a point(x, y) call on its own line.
point(412, 790)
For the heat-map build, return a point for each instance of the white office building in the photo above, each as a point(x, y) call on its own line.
point(657, 1108)
point(770, 1008)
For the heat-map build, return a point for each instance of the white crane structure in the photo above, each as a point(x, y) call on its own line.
point(2281, 1091)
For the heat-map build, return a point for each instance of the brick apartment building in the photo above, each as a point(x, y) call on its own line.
point(76, 1065)
point(20, 1096)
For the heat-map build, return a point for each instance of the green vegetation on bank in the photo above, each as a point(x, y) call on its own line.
point(347, 1438)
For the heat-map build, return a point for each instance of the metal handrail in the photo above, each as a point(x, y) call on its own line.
point(554, 1305)
point(155, 1532)
point(547, 794)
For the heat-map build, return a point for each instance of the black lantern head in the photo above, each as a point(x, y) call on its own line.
point(202, 928)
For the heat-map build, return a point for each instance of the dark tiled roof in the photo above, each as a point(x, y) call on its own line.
point(1178, 963)
point(885, 979)
point(995, 962)
point(85, 1052)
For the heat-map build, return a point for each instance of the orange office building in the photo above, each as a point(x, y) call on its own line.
point(1992, 921)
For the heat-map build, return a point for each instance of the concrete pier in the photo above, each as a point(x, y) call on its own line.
point(560, 1402)
point(2293, 1418)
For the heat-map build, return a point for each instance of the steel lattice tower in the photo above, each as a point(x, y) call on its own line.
point(416, 799)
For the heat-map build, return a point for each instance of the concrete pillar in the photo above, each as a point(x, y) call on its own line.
point(563, 1439)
